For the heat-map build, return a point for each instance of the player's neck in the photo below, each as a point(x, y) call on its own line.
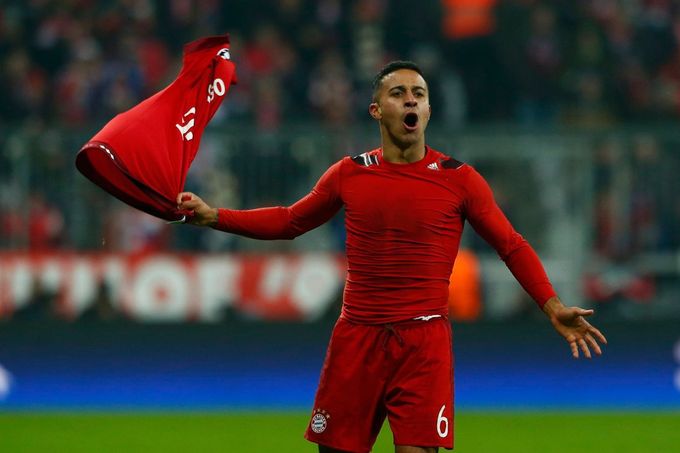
point(395, 154)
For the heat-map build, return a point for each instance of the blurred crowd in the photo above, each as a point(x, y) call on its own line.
point(580, 62)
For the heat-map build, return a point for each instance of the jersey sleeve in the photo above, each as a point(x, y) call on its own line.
point(490, 223)
point(280, 222)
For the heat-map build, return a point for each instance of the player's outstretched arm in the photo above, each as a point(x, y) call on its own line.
point(570, 322)
point(204, 215)
point(273, 222)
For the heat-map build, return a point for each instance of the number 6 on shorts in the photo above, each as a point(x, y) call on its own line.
point(441, 419)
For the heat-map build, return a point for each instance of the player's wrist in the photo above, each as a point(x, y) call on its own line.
point(552, 306)
point(213, 217)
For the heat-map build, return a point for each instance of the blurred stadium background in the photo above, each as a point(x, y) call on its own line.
point(207, 341)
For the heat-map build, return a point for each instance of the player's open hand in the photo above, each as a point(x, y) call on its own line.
point(570, 322)
point(203, 215)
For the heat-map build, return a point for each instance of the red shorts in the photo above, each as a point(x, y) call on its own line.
point(403, 371)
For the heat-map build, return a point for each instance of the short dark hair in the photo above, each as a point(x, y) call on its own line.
point(389, 68)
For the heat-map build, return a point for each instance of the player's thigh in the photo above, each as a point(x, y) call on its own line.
point(348, 408)
point(397, 449)
point(323, 449)
point(409, 449)
point(419, 397)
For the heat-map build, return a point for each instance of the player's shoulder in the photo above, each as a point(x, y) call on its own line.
point(447, 162)
point(365, 159)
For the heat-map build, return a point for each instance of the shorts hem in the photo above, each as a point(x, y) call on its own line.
point(337, 446)
point(448, 446)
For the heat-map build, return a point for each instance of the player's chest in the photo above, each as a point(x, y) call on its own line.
point(411, 200)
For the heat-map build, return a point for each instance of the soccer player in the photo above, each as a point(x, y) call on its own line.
point(390, 354)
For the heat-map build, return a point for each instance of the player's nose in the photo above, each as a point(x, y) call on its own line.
point(410, 100)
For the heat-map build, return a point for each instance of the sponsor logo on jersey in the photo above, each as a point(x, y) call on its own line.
point(185, 128)
point(319, 421)
point(433, 166)
point(224, 54)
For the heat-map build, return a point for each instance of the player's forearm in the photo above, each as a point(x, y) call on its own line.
point(262, 223)
point(529, 272)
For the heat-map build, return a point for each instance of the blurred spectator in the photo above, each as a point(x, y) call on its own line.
point(24, 86)
point(587, 78)
point(404, 33)
point(611, 178)
point(154, 61)
point(667, 87)
point(468, 27)
point(512, 24)
point(366, 31)
point(132, 231)
point(119, 84)
point(331, 92)
point(654, 33)
point(465, 292)
point(45, 224)
point(73, 91)
point(102, 307)
point(268, 65)
point(42, 304)
point(653, 223)
point(543, 63)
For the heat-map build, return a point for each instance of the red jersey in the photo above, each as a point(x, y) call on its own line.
point(142, 156)
point(404, 223)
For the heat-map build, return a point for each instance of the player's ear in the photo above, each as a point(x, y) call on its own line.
point(375, 111)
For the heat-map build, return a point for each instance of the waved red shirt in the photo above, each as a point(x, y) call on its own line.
point(404, 223)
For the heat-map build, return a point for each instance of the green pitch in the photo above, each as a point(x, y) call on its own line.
point(483, 432)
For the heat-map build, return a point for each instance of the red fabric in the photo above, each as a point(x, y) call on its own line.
point(404, 224)
point(142, 156)
point(404, 372)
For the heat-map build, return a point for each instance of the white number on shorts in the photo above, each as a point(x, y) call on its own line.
point(441, 419)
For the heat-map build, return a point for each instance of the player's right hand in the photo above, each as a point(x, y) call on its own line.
point(203, 214)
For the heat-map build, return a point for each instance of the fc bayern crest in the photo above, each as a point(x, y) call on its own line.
point(319, 421)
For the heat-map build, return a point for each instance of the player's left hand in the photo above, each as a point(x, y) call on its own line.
point(570, 322)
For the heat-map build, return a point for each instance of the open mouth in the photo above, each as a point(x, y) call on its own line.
point(411, 121)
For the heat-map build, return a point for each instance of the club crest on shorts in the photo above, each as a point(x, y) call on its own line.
point(319, 421)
